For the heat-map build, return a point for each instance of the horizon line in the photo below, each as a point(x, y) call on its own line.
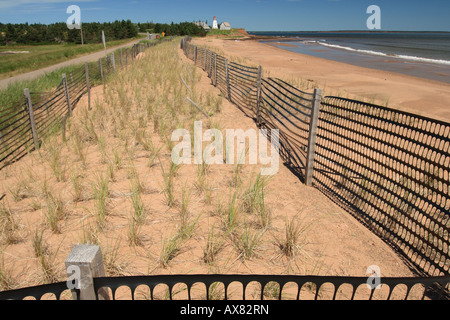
point(352, 30)
point(337, 30)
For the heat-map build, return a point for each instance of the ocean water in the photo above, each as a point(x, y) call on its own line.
point(420, 54)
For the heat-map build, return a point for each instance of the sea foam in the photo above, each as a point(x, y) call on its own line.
point(377, 53)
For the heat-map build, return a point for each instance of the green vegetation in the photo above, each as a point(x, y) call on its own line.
point(36, 33)
point(14, 92)
point(44, 55)
point(232, 33)
point(173, 29)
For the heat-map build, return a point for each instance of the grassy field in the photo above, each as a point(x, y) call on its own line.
point(41, 56)
point(14, 92)
point(233, 33)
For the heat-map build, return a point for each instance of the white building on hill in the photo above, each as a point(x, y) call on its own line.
point(225, 26)
point(203, 25)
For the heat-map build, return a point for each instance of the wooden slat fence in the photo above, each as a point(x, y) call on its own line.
point(48, 108)
point(390, 169)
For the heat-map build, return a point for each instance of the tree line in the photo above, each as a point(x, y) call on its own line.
point(173, 29)
point(36, 33)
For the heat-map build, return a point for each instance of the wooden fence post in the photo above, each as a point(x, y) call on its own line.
point(227, 77)
point(215, 69)
point(210, 64)
point(121, 58)
point(258, 96)
point(66, 91)
point(315, 109)
point(113, 62)
point(195, 55)
point(83, 264)
point(31, 117)
point(88, 84)
point(101, 71)
point(206, 56)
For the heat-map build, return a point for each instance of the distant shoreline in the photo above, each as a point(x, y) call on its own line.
point(419, 54)
point(411, 93)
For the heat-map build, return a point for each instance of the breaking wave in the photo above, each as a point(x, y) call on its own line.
point(377, 53)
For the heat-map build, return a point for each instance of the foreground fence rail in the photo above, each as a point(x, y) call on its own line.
point(245, 287)
point(86, 281)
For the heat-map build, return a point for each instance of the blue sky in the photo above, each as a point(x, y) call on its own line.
point(253, 15)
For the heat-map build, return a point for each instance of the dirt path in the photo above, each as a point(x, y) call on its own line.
point(86, 58)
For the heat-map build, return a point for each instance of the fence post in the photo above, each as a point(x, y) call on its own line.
point(315, 109)
point(113, 62)
point(31, 117)
point(210, 64)
point(195, 55)
point(83, 264)
point(121, 58)
point(227, 77)
point(215, 69)
point(66, 91)
point(88, 84)
point(101, 71)
point(258, 96)
point(204, 50)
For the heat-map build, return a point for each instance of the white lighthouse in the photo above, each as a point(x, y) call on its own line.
point(215, 26)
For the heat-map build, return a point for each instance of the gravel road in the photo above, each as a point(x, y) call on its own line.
point(87, 58)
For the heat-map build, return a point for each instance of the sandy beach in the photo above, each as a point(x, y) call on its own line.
point(421, 96)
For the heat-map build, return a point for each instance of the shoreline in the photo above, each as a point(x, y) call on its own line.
point(404, 92)
point(423, 68)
